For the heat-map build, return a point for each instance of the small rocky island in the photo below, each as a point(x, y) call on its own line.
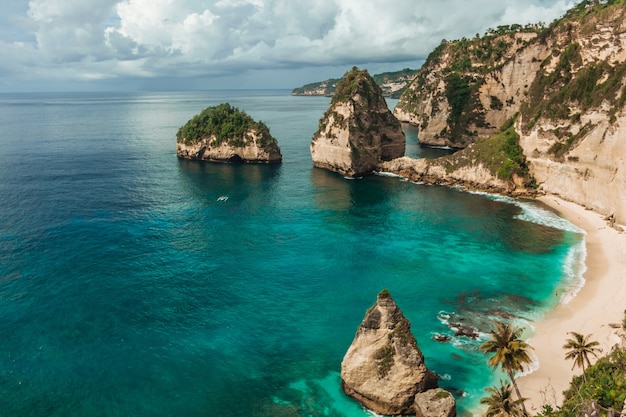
point(224, 133)
point(358, 130)
point(384, 368)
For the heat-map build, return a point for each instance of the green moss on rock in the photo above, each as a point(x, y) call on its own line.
point(384, 360)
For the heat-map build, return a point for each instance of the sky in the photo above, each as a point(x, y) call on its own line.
point(167, 45)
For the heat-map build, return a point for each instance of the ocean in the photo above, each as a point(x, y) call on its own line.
point(129, 287)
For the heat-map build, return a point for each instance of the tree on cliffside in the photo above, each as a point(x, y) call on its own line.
point(510, 352)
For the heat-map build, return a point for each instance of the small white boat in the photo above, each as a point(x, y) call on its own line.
point(222, 198)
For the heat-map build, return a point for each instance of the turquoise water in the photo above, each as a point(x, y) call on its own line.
point(128, 288)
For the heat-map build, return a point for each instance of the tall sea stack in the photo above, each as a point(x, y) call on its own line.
point(384, 368)
point(358, 130)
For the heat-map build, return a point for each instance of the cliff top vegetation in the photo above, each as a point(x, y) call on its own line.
point(225, 124)
point(500, 153)
point(359, 82)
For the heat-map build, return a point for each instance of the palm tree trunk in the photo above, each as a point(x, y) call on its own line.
point(519, 395)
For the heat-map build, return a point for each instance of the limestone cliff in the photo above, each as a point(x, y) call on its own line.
point(384, 368)
point(468, 88)
point(567, 85)
point(573, 124)
point(225, 134)
point(358, 130)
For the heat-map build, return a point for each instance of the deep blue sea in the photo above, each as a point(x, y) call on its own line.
point(128, 289)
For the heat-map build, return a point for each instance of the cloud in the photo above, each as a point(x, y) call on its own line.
point(193, 38)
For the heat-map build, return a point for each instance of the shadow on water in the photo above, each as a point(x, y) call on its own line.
point(335, 192)
point(215, 180)
point(356, 203)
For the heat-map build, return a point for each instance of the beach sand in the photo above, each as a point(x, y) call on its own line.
point(599, 305)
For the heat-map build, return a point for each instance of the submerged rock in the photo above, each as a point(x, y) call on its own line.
point(384, 368)
point(358, 130)
point(225, 134)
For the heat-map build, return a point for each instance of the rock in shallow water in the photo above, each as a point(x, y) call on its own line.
point(384, 368)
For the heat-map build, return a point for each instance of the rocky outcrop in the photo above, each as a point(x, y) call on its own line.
point(474, 177)
point(435, 403)
point(384, 368)
point(225, 134)
point(357, 131)
point(251, 152)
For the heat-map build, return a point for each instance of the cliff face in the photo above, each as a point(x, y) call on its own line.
point(566, 87)
point(468, 88)
point(573, 125)
point(358, 130)
point(225, 134)
point(383, 368)
point(251, 152)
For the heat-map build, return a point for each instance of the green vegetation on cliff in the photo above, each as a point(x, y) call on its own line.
point(578, 71)
point(356, 81)
point(465, 107)
point(226, 124)
point(568, 85)
point(589, 7)
point(500, 153)
point(463, 66)
point(603, 383)
point(572, 88)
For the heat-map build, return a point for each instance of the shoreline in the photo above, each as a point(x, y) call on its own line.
point(599, 304)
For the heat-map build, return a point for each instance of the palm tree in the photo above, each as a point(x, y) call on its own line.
point(580, 348)
point(500, 402)
point(510, 352)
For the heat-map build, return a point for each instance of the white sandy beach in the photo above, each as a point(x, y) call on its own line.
point(600, 303)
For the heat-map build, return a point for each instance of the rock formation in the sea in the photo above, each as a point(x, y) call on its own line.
point(564, 86)
point(357, 131)
point(223, 133)
point(384, 368)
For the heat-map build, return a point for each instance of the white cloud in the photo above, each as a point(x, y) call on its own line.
point(181, 38)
